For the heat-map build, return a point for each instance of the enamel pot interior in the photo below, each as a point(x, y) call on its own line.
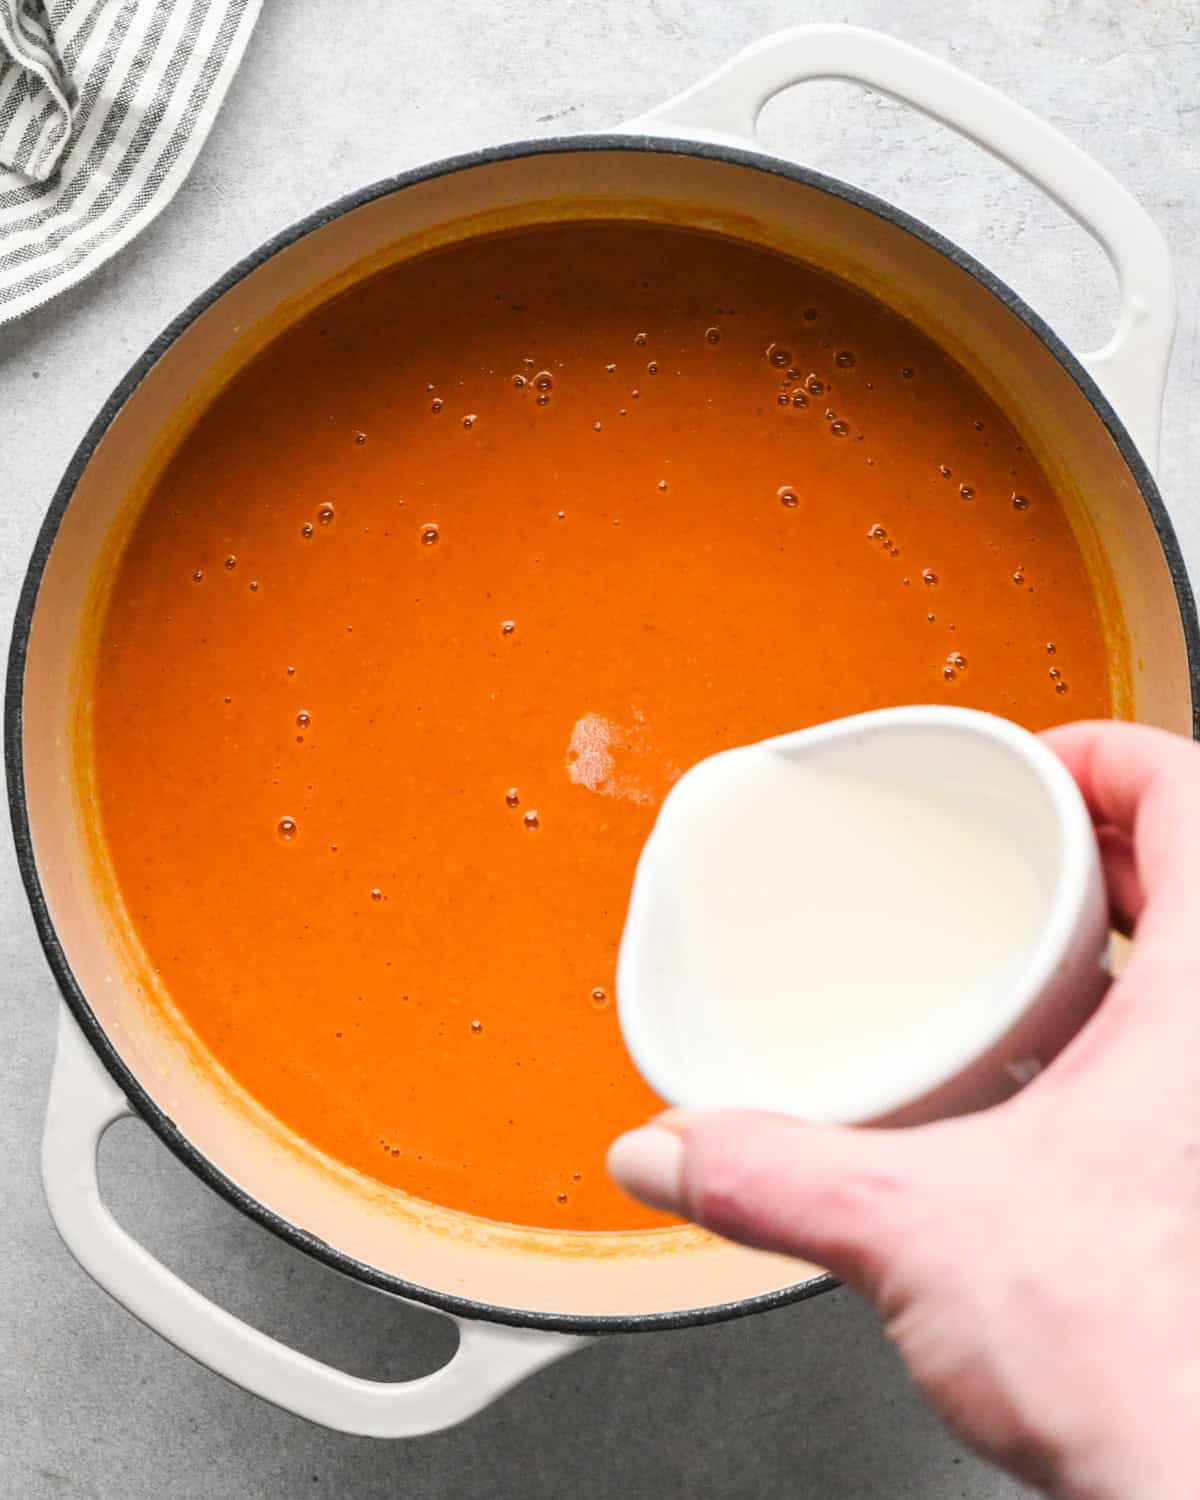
point(590, 1282)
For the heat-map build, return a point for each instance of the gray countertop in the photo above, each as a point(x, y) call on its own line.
point(806, 1401)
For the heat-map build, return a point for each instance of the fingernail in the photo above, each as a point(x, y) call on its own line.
point(648, 1164)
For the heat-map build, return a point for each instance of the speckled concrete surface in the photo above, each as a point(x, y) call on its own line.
point(805, 1402)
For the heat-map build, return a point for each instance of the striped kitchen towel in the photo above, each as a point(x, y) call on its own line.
point(104, 105)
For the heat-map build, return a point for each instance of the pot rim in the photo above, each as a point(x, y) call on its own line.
point(69, 987)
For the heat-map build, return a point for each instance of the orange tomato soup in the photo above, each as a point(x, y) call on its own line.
point(444, 590)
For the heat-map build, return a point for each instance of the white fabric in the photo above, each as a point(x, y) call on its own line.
point(104, 105)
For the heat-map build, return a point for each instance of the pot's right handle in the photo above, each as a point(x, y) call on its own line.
point(84, 1102)
point(1131, 368)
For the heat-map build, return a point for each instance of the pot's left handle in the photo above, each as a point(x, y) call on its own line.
point(84, 1102)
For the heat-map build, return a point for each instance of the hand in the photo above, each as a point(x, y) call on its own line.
point(1038, 1264)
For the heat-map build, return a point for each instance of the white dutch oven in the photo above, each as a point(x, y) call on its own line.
point(520, 1298)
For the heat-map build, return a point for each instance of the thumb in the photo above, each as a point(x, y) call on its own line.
point(839, 1197)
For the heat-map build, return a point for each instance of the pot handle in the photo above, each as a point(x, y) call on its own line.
point(84, 1102)
point(1131, 368)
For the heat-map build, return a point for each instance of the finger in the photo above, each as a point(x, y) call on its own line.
point(1145, 783)
point(836, 1197)
point(1117, 765)
point(1125, 895)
